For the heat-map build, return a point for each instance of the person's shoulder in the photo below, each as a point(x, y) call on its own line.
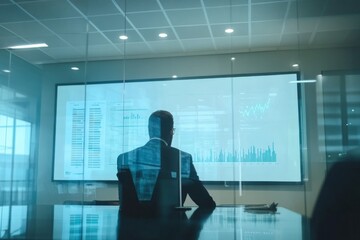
point(181, 153)
point(124, 154)
point(128, 155)
point(185, 154)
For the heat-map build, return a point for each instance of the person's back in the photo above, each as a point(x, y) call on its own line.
point(149, 175)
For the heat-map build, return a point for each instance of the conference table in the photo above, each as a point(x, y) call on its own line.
point(107, 222)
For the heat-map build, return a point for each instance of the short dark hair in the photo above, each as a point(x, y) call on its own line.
point(161, 123)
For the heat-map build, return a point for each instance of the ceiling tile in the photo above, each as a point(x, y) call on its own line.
point(50, 40)
point(133, 36)
point(266, 28)
point(50, 9)
point(6, 42)
point(193, 32)
point(153, 34)
point(27, 1)
point(27, 29)
point(5, 33)
point(308, 24)
point(94, 7)
point(34, 56)
point(223, 43)
point(140, 5)
point(109, 22)
point(270, 11)
point(5, 2)
point(63, 53)
point(186, 17)
point(342, 7)
point(267, 1)
point(183, 4)
point(276, 24)
point(75, 40)
point(226, 3)
point(291, 26)
point(11, 13)
point(240, 29)
point(148, 19)
point(97, 39)
point(73, 25)
point(225, 15)
point(293, 10)
point(310, 8)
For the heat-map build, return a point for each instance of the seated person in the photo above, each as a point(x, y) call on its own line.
point(153, 169)
point(336, 211)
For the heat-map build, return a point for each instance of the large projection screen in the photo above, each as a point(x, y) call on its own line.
point(242, 128)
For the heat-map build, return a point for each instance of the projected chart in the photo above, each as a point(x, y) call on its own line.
point(253, 154)
point(236, 128)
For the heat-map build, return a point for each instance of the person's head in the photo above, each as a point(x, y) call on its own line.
point(161, 125)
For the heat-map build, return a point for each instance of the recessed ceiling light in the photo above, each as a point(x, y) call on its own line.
point(163, 35)
point(75, 68)
point(233, 59)
point(174, 76)
point(37, 45)
point(123, 37)
point(6, 70)
point(295, 65)
point(229, 30)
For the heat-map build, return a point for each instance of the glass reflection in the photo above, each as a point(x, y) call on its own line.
point(13, 221)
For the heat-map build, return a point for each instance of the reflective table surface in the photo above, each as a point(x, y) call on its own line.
point(107, 222)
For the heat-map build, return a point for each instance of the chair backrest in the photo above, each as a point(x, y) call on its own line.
point(127, 194)
point(337, 210)
point(163, 199)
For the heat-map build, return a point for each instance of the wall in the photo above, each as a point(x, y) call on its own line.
point(299, 198)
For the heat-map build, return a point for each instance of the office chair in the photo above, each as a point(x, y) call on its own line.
point(164, 194)
point(337, 211)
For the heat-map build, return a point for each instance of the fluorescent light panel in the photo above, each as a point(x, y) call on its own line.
point(26, 46)
point(304, 81)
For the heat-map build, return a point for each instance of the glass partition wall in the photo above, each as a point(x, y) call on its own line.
point(258, 91)
point(19, 127)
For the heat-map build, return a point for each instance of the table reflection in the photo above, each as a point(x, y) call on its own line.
point(107, 222)
point(235, 223)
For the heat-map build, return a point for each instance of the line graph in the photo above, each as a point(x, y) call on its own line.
point(255, 111)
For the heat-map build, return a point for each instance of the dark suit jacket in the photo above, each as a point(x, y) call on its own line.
point(154, 170)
